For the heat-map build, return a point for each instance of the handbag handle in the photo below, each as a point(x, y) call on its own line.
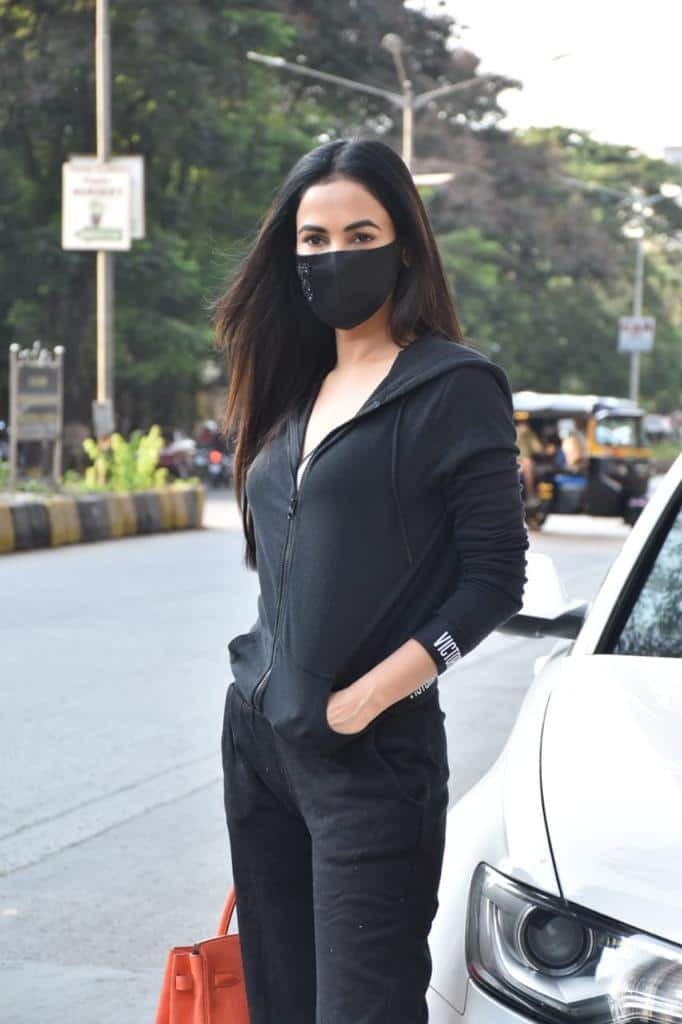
point(227, 913)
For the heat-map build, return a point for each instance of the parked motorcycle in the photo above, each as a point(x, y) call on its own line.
point(213, 456)
point(213, 466)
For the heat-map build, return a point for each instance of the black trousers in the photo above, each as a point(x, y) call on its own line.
point(336, 860)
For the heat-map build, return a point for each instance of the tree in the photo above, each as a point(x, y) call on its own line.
point(540, 271)
point(214, 145)
point(547, 293)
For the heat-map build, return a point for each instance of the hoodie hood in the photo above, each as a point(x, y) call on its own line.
point(426, 357)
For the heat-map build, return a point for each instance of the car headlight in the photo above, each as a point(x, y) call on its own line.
point(561, 963)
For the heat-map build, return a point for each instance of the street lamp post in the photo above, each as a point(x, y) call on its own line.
point(394, 45)
point(637, 311)
point(405, 101)
point(641, 207)
point(104, 420)
point(408, 122)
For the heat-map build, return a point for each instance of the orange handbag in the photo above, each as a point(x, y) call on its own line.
point(204, 983)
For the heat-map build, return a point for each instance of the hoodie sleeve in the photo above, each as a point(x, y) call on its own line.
point(477, 469)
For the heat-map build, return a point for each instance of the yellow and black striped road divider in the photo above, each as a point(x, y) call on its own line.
point(68, 519)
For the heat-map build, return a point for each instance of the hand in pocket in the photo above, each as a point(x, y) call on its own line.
point(350, 710)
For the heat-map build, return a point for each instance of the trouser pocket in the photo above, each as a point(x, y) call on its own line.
point(410, 749)
point(295, 704)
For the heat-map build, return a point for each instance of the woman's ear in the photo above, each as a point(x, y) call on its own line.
point(405, 257)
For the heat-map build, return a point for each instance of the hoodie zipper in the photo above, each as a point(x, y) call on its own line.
point(257, 696)
point(259, 689)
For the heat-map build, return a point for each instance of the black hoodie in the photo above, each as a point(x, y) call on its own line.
point(408, 523)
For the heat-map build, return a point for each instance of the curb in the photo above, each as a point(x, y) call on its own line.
point(63, 519)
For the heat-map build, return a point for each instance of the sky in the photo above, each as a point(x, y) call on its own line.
point(621, 80)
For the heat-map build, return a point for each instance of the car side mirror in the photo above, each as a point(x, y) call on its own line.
point(546, 610)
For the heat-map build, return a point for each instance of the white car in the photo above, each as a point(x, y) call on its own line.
point(561, 894)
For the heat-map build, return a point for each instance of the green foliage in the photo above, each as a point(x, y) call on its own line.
point(121, 465)
point(666, 451)
point(71, 478)
point(540, 270)
point(34, 486)
point(215, 141)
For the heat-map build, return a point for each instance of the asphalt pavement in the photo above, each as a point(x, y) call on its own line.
point(113, 660)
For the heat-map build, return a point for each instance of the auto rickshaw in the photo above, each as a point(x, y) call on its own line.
point(581, 454)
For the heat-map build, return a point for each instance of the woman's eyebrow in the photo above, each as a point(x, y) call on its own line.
point(312, 227)
point(367, 223)
point(362, 224)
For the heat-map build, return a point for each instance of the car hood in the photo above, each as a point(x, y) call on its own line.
point(611, 772)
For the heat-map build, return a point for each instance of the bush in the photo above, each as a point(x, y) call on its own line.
point(120, 465)
point(117, 465)
point(37, 486)
point(31, 486)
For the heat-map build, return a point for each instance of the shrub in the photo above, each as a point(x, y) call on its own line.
point(120, 465)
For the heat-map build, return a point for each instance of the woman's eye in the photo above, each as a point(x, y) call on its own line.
point(317, 240)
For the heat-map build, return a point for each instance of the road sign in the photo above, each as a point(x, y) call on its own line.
point(95, 208)
point(135, 167)
point(36, 401)
point(636, 333)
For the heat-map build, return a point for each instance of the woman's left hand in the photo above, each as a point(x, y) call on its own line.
point(351, 709)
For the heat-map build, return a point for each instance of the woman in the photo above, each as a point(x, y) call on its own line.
point(375, 463)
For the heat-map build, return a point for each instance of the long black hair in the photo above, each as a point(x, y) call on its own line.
point(275, 346)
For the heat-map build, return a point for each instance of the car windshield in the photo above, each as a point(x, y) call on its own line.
point(619, 430)
point(653, 627)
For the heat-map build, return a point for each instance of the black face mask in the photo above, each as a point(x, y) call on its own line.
point(347, 287)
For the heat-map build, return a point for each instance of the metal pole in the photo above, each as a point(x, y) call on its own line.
point(324, 76)
point(408, 122)
point(637, 311)
point(57, 452)
point(105, 260)
point(13, 413)
point(407, 101)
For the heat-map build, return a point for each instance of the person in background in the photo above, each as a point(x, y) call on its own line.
point(529, 445)
point(551, 446)
point(208, 433)
point(574, 447)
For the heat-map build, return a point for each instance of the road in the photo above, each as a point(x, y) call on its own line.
point(113, 658)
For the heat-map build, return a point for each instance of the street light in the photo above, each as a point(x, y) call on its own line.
point(394, 45)
point(641, 207)
point(405, 101)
